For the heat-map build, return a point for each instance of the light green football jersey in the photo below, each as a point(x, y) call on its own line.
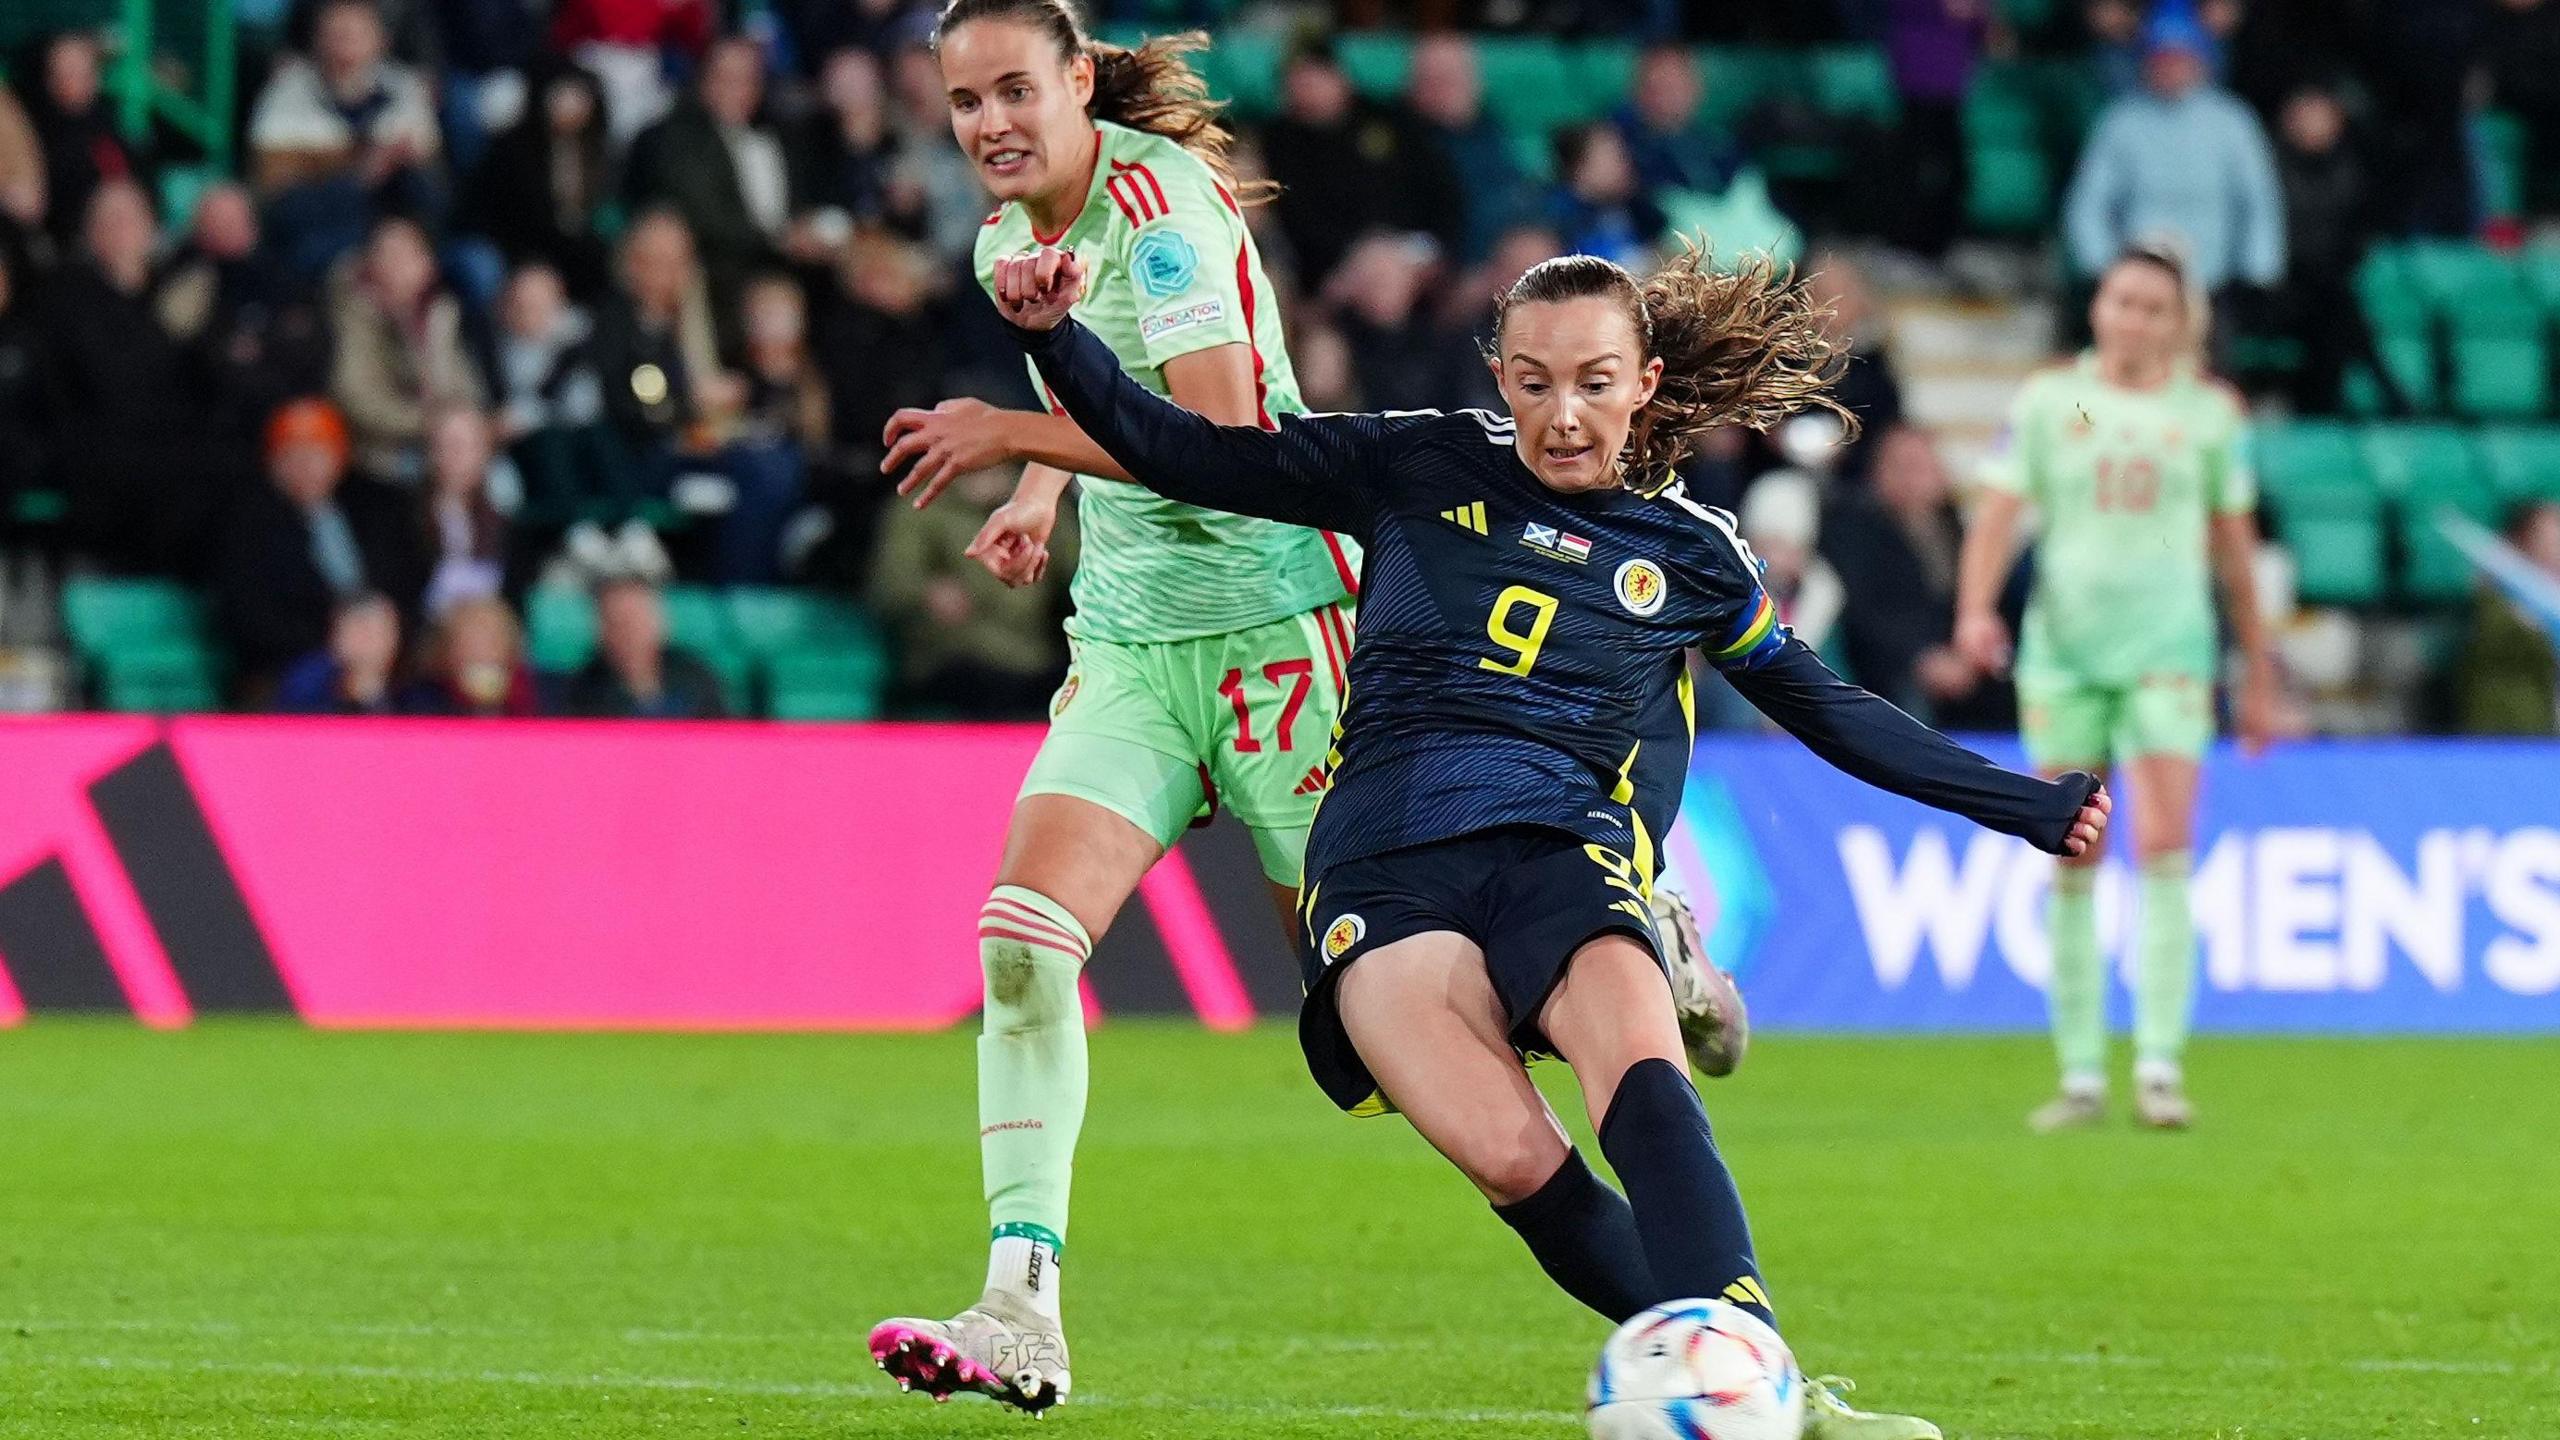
point(1170, 269)
point(2126, 481)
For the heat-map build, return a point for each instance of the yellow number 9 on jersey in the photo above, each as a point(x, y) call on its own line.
point(1524, 647)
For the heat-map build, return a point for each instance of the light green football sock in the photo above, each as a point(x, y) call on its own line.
point(2077, 993)
point(2164, 991)
point(1031, 1085)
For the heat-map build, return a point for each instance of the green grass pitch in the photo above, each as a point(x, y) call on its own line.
point(252, 1230)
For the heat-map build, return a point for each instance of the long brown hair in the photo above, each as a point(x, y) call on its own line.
point(1151, 88)
point(1746, 348)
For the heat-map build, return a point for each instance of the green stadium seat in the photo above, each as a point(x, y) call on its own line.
point(770, 620)
point(2336, 539)
point(1856, 82)
point(2001, 108)
point(2411, 359)
point(2309, 458)
point(817, 684)
point(1739, 80)
point(1534, 151)
point(2540, 265)
point(698, 620)
point(1376, 60)
point(2417, 461)
point(2012, 190)
point(2458, 278)
point(1243, 68)
point(559, 628)
point(2521, 463)
point(105, 617)
point(2500, 145)
point(2500, 368)
point(2389, 293)
point(160, 679)
point(1528, 85)
point(1604, 71)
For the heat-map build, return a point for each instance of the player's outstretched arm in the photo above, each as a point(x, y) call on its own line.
point(1866, 736)
point(1312, 470)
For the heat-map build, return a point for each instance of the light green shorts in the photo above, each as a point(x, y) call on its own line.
point(2068, 723)
point(1161, 735)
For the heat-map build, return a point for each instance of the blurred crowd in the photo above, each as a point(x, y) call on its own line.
point(624, 291)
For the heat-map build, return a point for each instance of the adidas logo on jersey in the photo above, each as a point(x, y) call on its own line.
point(1469, 518)
point(1313, 781)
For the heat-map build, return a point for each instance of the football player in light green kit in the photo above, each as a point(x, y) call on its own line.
point(2137, 463)
point(1209, 648)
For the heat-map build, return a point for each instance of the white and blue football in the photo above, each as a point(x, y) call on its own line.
point(1696, 1370)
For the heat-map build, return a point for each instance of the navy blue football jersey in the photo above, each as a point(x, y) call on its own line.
point(1517, 645)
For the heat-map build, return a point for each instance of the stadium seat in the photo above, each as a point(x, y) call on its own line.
point(2337, 544)
point(2389, 293)
point(2521, 463)
point(698, 620)
point(2540, 266)
point(2500, 368)
point(818, 684)
point(2012, 189)
point(2459, 279)
point(2310, 458)
point(1376, 60)
point(2000, 109)
point(559, 628)
point(1243, 68)
point(146, 645)
point(1855, 82)
point(159, 679)
point(2417, 461)
point(1740, 79)
point(2498, 142)
point(1528, 85)
point(1604, 71)
point(769, 620)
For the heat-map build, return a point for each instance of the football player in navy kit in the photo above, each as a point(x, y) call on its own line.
point(1477, 876)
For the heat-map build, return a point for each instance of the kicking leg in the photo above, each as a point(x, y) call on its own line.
point(1425, 1019)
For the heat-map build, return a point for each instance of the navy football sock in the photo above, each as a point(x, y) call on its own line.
point(1686, 1207)
point(1585, 1239)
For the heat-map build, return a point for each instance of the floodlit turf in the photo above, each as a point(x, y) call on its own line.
point(250, 1230)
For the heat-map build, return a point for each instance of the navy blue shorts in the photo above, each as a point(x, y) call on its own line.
point(1528, 897)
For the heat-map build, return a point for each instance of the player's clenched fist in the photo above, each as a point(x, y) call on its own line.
point(2089, 830)
point(1036, 291)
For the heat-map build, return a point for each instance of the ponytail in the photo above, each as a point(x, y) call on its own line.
point(1747, 348)
point(1151, 87)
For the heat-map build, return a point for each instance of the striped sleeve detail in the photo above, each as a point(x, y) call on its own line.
point(1753, 637)
point(1135, 190)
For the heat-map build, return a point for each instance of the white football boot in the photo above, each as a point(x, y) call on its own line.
point(999, 1348)
point(1712, 1018)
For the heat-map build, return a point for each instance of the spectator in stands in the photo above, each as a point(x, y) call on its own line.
point(1665, 136)
point(542, 192)
point(484, 46)
point(636, 674)
point(1326, 379)
point(25, 445)
point(631, 45)
point(76, 126)
point(257, 335)
point(550, 398)
point(2328, 226)
point(714, 165)
point(400, 353)
point(853, 177)
point(2182, 158)
point(22, 182)
point(341, 138)
point(1895, 544)
point(2522, 54)
point(1934, 46)
point(823, 29)
point(1348, 165)
point(783, 424)
point(351, 673)
point(142, 465)
point(2508, 679)
point(968, 645)
point(955, 200)
point(2115, 43)
point(664, 390)
point(474, 666)
point(2430, 67)
point(1599, 206)
point(1867, 384)
point(881, 348)
point(299, 547)
point(463, 522)
point(1446, 89)
point(1402, 360)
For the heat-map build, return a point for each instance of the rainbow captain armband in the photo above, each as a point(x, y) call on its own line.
point(1755, 638)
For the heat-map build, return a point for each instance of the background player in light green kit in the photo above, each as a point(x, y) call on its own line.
point(2137, 463)
point(1209, 648)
